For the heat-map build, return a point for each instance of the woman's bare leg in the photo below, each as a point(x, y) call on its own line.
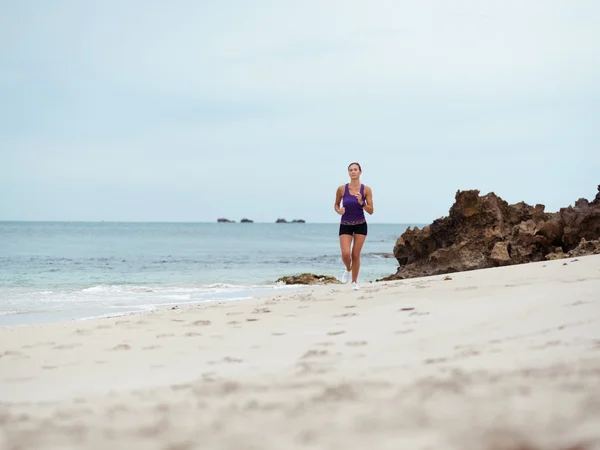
point(345, 243)
point(359, 240)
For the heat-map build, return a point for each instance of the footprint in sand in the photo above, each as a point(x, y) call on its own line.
point(406, 309)
point(350, 306)
point(278, 334)
point(177, 320)
point(335, 333)
point(302, 306)
point(466, 288)
point(199, 323)
point(103, 327)
point(122, 347)
point(251, 319)
point(356, 343)
point(19, 380)
point(364, 297)
point(66, 346)
point(151, 347)
point(164, 335)
point(81, 332)
point(192, 334)
point(229, 359)
point(410, 330)
point(39, 344)
point(234, 313)
point(48, 367)
point(313, 353)
point(434, 360)
point(349, 314)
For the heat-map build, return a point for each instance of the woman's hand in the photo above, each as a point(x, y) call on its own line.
point(359, 197)
point(341, 211)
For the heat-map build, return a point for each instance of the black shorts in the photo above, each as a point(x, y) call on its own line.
point(360, 228)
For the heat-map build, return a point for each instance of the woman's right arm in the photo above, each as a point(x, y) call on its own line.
point(338, 200)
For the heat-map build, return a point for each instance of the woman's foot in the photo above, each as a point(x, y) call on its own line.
point(346, 276)
point(355, 286)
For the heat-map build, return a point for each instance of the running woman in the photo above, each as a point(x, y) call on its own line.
point(351, 202)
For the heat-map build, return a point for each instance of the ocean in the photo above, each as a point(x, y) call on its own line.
point(54, 271)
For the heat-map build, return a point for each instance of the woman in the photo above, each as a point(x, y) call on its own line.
point(357, 198)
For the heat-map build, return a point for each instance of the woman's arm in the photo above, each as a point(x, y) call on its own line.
point(368, 205)
point(338, 200)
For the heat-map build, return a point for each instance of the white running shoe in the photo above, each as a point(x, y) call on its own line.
point(346, 276)
point(355, 286)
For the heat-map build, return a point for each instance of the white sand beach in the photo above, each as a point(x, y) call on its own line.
point(502, 359)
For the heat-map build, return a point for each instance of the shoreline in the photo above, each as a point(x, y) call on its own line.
point(468, 360)
point(133, 309)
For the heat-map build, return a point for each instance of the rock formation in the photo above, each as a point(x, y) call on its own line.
point(309, 278)
point(298, 221)
point(246, 220)
point(280, 220)
point(485, 231)
point(224, 220)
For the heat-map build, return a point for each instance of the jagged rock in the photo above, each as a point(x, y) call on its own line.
point(485, 231)
point(280, 220)
point(309, 278)
point(584, 247)
point(245, 220)
point(224, 220)
point(298, 221)
point(500, 254)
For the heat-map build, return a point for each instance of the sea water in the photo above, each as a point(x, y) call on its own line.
point(51, 271)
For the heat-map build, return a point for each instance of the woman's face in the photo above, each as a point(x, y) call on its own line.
point(354, 171)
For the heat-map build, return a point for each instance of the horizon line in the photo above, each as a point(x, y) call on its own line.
point(199, 222)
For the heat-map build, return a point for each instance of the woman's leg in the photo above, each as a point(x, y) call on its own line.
point(345, 243)
point(359, 240)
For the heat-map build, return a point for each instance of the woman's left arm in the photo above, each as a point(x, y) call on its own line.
point(368, 205)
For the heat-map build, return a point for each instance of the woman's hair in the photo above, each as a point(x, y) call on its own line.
point(351, 164)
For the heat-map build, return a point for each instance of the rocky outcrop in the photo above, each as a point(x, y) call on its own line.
point(246, 220)
point(309, 278)
point(224, 220)
point(485, 231)
point(281, 220)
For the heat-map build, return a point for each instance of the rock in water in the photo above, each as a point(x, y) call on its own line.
point(485, 231)
point(309, 278)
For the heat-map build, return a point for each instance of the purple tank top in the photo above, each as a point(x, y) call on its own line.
point(354, 211)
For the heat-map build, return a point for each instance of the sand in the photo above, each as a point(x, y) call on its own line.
point(502, 359)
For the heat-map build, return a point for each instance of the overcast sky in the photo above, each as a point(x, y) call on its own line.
point(192, 110)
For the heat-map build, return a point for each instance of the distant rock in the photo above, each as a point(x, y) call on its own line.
point(224, 220)
point(245, 220)
point(280, 220)
point(485, 231)
point(298, 221)
point(309, 278)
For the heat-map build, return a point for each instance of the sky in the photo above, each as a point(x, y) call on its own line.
point(192, 110)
